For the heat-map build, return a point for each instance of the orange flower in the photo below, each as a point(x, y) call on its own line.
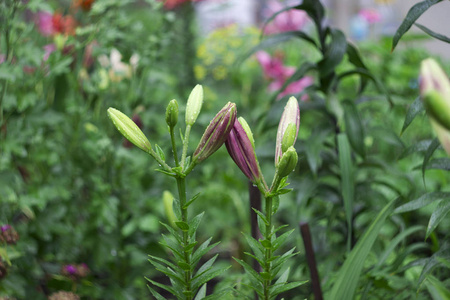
point(85, 5)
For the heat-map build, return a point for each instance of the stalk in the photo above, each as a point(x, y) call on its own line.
point(185, 145)
point(268, 254)
point(181, 184)
point(174, 147)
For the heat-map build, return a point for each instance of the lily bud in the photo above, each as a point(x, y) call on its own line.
point(216, 133)
point(290, 134)
point(288, 162)
point(194, 104)
point(240, 146)
point(168, 208)
point(435, 92)
point(172, 113)
point(129, 129)
point(291, 115)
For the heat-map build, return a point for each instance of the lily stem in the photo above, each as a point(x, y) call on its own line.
point(268, 254)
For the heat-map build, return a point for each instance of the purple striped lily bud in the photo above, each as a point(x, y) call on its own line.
point(216, 133)
point(240, 146)
point(291, 115)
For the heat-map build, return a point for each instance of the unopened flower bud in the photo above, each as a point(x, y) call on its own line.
point(216, 133)
point(288, 162)
point(290, 134)
point(129, 129)
point(435, 92)
point(172, 113)
point(291, 115)
point(194, 104)
point(241, 149)
point(168, 208)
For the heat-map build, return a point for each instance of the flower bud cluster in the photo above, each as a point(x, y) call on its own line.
point(75, 271)
point(8, 235)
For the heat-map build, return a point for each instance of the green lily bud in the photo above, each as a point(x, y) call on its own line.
point(129, 129)
point(435, 92)
point(287, 163)
point(172, 113)
point(194, 104)
point(289, 137)
point(291, 115)
point(437, 108)
point(168, 208)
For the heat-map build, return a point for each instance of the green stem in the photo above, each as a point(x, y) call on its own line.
point(174, 147)
point(268, 254)
point(181, 184)
point(185, 145)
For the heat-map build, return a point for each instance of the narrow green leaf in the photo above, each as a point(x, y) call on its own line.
point(202, 250)
point(394, 243)
point(266, 244)
point(275, 204)
point(207, 276)
point(349, 273)
point(191, 200)
point(190, 247)
point(163, 286)
point(249, 269)
point(335, 53)
point(280, 288)
point(437, 289)
point(156, 294)
point(261, 262)
point(433, 146)
point(422, 201)
point(201, 293)
point(172, 232)
point(315, 11)
point(355, 58)
point(417, 147)
point(261, 215)
point(347, 181)
point(354, 128)
point(434, 261)
point(442, 163)
point(185, 266)
point(413, 110)
point(182, 225)
point(413, 14)
point(283, 278)
point(206, 266)
point(160, 152)
point(438, 215)
point(279, 241)
point(257, 248)
point(193, 224)
point(436, 35)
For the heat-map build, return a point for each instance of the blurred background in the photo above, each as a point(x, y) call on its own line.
point(80, 207)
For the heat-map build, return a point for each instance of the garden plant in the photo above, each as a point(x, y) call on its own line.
point(303, 165)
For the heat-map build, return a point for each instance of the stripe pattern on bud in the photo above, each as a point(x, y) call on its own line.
point(240, 147)
point(216, 133)
point(129, 129)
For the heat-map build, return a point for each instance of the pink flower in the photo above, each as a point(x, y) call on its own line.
point(289, 20)
point(48, 49)
point(45, 23)
point(372, 16)
point(278, 73)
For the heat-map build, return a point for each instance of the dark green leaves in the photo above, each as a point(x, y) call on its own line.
point(413, 110)
point(354, 128)
point(413, 14)
point(349, 273)
point(433, 34)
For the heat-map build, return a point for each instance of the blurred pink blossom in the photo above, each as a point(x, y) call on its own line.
point(48, 49)
point(2, 58)
point(45, 23)
point(278, 73)
point(289, 20)
point(171, 4)
point(372, 16)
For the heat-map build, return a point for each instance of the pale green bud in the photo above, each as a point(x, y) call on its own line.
point(287, 163)
point(194, 105)
point(437, 108)
point(172, 113)
point(291, 115)
point(289, 137)
point(168, 208)
point(129, 129)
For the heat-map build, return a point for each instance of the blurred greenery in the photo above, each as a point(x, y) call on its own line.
point(76, 192)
